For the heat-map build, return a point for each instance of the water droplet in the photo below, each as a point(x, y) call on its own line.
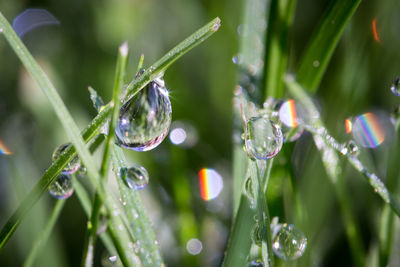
point(368, 131)
point(350, 148)
point(395, 87)
point(237, 59)
point(62, 187)
point(255, 263)
point(249, 191)
point(73, 165)
point(135, 178)
point(263, 138)
point(289, 243)
point(259, 233)
point(97, 101)
point(316, 63)
point(144, 120)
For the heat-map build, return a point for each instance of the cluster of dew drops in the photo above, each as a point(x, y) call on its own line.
point(143, 123)
point(281, 121)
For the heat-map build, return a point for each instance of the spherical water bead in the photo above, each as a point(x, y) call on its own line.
point(289, 243)
point(144, 120)
point(73, 165)
point(395, 87)
point(62, 187)
point(352, 148)
point(263, 138)
point(135, 178)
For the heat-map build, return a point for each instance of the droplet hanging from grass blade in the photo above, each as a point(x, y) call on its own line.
point(289, 243)
point(61, 188)
point(135, 178)
point(145, 119)
point(73, 165)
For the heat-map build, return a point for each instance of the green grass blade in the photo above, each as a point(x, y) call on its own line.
point(140, 224)
point(45, 234)
point(276, 52)
point(158, 68)
point(323, 43)
point(87, 259)
point(48, 177)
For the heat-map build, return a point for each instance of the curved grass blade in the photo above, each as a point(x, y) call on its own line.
point(323, 43)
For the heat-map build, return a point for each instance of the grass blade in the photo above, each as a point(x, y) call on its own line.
point(323, 43)
point(45, 234)
point(115, 103)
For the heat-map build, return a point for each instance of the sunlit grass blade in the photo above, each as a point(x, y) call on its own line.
point(323, 43)
point(90, 241)
point(280, 19)
point(45, 234)
point(139, 223)
point(158, 68)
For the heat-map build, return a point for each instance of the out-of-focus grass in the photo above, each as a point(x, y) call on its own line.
point(81, 52)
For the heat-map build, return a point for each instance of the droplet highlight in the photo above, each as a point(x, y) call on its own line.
point(289, 243)
point(395, 87)
point(73, 165)
point(368, 131)
point(135, 178)
point(61, 188)
point(211, 184)
point(145, 119)
point(263, 138)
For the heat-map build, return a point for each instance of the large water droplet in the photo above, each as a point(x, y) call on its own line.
point(62, 187)
point(73, 165)
point(144, 120)
point(135, 178)
point(395, 87)
point(289, 243)
point(263, 138)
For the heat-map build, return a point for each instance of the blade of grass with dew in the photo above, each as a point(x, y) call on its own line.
point(315, 59)
point(157, 69)
point(149, 252)
point(116, 239)
point(45, 234)
point(332, 166)
point(280, 19)
point(95, 125)
point(90, 241)
point(49, 177)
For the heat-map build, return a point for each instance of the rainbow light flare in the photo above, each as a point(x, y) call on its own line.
point(4, 150)
point(348, 125)
point(211, 184)
point(367, 131)
point(288, 113)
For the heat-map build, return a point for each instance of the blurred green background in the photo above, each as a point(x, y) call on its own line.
point(82, 50)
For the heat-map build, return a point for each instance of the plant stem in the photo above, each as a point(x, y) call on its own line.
point(90, 241)
point(45, 234)
point(158, 68)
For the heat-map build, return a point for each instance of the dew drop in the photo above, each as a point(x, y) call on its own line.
point(249, 191)
point(62, 187)
point(255, 263)
point(395, 87)
point(263, 138)
point(73, 165)
point(351, 148)
point(237, 59)
point(135, 178)
point(144, 120)
point(259, 233)
point(103, 224)
point(289, 243)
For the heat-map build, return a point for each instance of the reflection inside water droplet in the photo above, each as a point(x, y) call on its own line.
point(144, 120)
point(289, 243)
point(135, 178)
point(73, 165)
point(263, 138)
point(62, 187)
point(395, 87)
